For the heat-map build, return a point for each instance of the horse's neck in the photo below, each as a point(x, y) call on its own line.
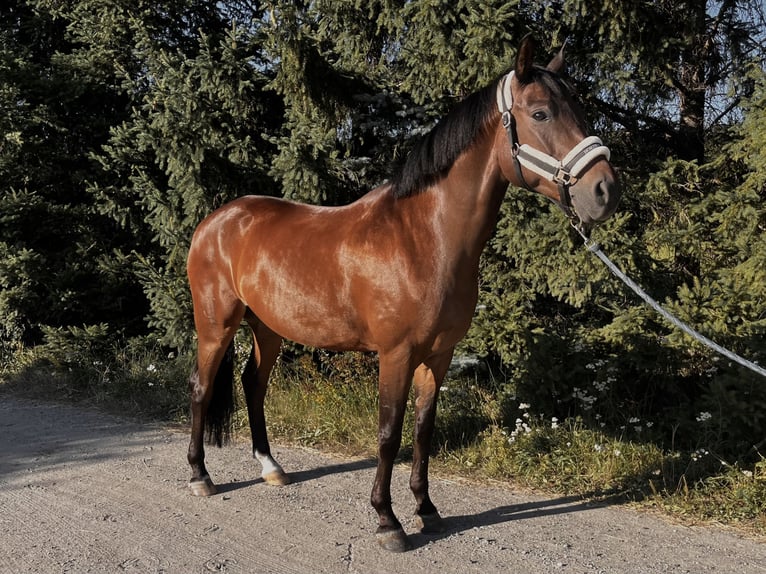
point(470, 198)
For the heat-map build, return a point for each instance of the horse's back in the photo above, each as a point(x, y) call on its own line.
point(253, 213)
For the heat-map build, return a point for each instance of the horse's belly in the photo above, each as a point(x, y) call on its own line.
point(311, 321)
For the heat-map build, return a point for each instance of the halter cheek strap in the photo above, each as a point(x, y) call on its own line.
point(565, 172)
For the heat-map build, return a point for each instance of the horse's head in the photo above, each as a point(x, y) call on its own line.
point(545, 144)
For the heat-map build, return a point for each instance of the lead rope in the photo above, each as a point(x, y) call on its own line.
point(595, 248)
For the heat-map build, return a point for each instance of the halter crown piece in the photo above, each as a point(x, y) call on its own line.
point(565, 172)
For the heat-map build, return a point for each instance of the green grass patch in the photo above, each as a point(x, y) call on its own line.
point(333, 405)
point(134, 378)
point(732, 496)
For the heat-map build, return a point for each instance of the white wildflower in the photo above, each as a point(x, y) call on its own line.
point(699, 454)
point(704, 416)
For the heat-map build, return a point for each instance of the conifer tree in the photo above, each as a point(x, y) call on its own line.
point(53, 114)
point(198, 136)
point(335, 65)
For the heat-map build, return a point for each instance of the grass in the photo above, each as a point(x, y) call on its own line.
point(330, 402)
point(138, 379)
point(320, 412)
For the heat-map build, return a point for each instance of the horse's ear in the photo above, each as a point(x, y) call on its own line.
point(525, 59)
point(556, 65)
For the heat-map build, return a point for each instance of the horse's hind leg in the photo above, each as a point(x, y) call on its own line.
point(255, 379)
point(215, 332)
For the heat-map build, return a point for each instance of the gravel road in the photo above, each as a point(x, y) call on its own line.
point(82, 491)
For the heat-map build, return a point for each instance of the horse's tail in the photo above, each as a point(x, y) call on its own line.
point(222, 405)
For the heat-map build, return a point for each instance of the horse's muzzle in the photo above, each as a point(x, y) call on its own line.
point(598, 201)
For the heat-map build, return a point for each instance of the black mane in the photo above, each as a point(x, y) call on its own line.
point(436, 151)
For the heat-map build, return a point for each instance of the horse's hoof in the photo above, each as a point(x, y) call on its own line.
point(202, 487)
point(393, 540)
point(276, 478)
point(430, 523)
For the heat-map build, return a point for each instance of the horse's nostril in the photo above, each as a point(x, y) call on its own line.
point(602, 192)
point(606, 191)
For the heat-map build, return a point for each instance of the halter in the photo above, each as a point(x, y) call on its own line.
point(564, 173)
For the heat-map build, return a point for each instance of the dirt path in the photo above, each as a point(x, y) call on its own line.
point(81, 491)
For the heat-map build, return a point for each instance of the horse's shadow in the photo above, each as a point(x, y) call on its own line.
point(452, 524)
point(507, 513)
point(303, 475)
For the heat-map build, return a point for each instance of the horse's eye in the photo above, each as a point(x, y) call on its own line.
point(540, 116)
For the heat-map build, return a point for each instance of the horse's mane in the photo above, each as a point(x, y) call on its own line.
point(436, 151)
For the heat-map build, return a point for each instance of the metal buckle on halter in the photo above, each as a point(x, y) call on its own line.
point(507, 119)
point(563, 177)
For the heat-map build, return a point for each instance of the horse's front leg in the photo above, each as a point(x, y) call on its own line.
point(428, 380)
point(395, 381)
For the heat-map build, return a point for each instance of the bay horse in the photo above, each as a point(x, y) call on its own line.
point(395, 272)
